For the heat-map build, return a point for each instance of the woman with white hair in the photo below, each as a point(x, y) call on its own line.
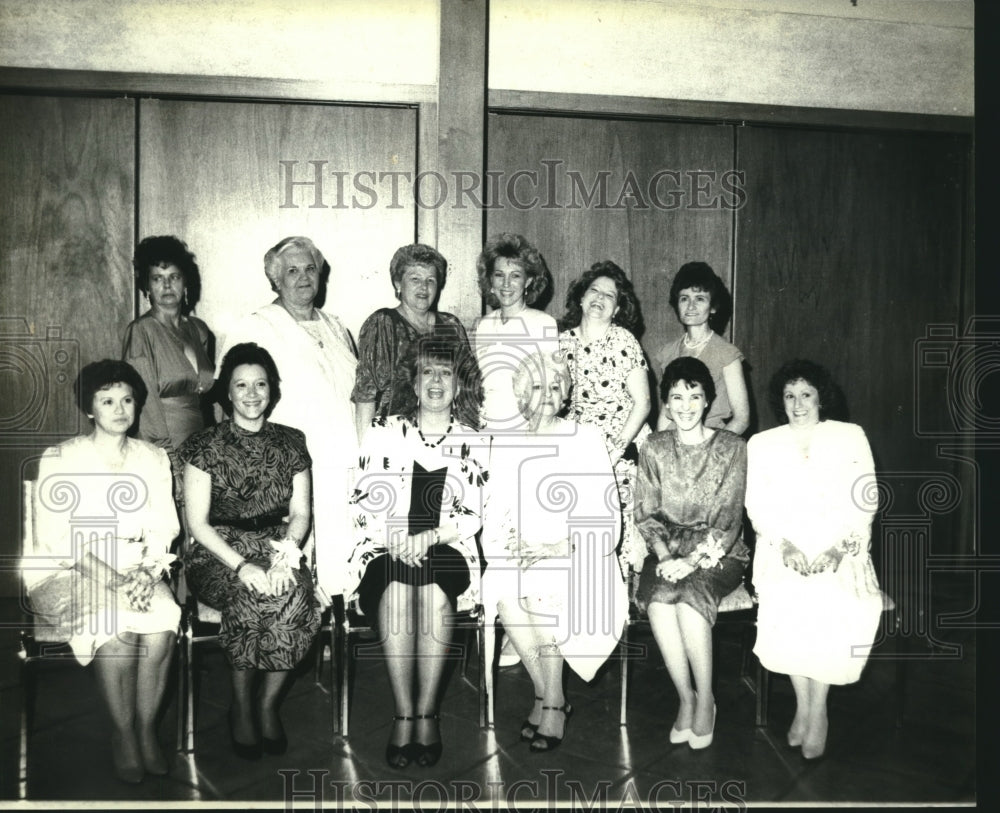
point(553, 523)
point(317, 359)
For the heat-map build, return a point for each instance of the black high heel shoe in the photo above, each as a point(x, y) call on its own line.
point(528, 728)
point(429, 754)
point(543, 742)
point(399, 756)
point(243, 750)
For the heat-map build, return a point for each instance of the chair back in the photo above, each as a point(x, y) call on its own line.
point(40, 628)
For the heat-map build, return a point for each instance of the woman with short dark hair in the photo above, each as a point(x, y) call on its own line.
point(105, 587)
point(247, 500)
point(689, 509)
point(703, 307)
point(809, 496)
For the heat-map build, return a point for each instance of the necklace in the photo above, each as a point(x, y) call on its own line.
point(694, 345)
point(440, 440)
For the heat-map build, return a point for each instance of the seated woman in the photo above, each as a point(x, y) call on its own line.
point(417, 507)
point(246, 498)
point(108, 591)
point(689, 509)
point(820, 601)
point(553, 525)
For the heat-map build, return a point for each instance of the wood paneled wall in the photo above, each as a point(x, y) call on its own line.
point(217, 174)
point(662, 204)
point(67, 180)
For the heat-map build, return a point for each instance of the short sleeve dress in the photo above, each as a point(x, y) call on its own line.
point(822, 625)
point(383, 342)
point(251, 489)
point(716, 354)
point(686, 493)
point(600, 397)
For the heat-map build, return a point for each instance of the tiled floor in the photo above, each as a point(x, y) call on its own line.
point(930, 759)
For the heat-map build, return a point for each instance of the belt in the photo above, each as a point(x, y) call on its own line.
point(258, 523)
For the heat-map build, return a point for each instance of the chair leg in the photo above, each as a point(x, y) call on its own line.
point(481, 649)
point(189, 687)
point(334, 683)
point(763, 693)
point(623, 649)
point(179, 644)
point(345, 682)
point(27, 718)
point(488, 660)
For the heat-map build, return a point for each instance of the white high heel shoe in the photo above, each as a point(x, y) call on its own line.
point(699, 741)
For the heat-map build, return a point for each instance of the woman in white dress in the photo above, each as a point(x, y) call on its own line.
point(317, 359)
point(102, 579)
point(553, 523)
point(809, 489)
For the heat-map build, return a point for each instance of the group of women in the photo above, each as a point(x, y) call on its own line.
point(424, 471)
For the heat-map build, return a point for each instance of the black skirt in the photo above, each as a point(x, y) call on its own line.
point(444, 566)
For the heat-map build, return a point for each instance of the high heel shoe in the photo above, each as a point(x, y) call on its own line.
point(699, 741)
point(528, 728)
point(429, 753)
point(243, 750)
point(543, 742)
point(399, 756)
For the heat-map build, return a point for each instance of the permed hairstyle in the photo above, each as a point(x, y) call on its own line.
point(160, 252)
point(448, 349)
point(831, 399)
point(247, 353)
point(540, 367)
point(418, 254)
point(272, 259)
point(701, 277)
point(629, 314)
point(691, 371)
point(99, 375)
point(515, 248)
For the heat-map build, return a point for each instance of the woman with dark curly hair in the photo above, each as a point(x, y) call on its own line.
point(608, 369)
point(108, 593)
point(382, 387)
point(809, 487)
point(512, 277)
point(247, 500)
point(171, 349)
point(703, 306)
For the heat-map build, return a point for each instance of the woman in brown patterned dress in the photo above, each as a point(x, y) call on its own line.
point(247, 501)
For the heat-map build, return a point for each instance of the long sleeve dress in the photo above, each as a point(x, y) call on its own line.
point(688, 493)
point(317, 363)
point(407, 484)
point(822, 625)
point(561, 488)
point(124, 516)
point(251, 489)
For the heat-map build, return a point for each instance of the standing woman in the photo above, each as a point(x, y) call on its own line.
point(247, 499)
point(703, 306)
point(512, 277)
point(610, 387)
point(382, 387)
point(689, 509)
point(418, 504)
point(171, 349)
point(820, 601)
point(108, 591)
point(315, 354)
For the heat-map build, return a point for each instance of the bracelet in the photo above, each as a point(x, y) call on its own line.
point(240, 567)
